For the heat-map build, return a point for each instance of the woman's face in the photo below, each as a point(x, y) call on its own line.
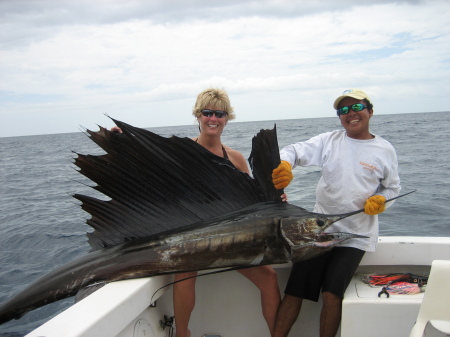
point(214, 124)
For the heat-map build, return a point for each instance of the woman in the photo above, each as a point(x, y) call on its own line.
point(213, 111)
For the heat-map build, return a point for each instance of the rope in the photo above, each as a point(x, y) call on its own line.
point(198, 275)
point(382, 280)
point(404, 288)
point(399, 284)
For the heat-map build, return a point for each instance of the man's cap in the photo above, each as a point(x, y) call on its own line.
point(355, 93)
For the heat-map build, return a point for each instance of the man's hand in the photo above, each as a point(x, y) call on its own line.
point(282, 175)
point(375, 205)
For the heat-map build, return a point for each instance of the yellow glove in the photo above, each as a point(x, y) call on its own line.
point(282, 175)
point(375, 205)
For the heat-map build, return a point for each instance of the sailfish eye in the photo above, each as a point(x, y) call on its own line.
point(320, 222)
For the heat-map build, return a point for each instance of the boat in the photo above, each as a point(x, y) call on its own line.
point(228, 305)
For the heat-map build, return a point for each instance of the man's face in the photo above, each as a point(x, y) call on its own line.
point(355, 123)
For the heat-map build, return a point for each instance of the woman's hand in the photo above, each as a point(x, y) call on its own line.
point(116, 129)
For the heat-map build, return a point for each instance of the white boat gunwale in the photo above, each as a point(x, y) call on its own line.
point(122, 308)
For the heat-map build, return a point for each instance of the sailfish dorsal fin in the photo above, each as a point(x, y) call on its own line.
point(157, 184)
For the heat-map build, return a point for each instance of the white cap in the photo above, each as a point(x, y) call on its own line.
point(355, 93)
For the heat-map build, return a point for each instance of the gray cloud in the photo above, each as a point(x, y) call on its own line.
point(66, 12)
point(65, 60)
point(24, 21)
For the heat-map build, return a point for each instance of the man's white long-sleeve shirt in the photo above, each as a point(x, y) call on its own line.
point(352, 171)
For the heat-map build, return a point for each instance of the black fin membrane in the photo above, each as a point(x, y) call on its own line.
point(158, 184)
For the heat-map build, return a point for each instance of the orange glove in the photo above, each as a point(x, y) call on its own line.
point(375, 205)
point(282, 175)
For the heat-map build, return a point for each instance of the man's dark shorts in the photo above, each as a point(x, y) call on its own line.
point(330, 272)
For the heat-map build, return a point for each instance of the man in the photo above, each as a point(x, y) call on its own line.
point(359, 170)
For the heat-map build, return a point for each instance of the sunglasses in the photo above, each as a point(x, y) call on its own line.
point(346, 109)
point(217, 113)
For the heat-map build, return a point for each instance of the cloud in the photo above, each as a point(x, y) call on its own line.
point(128, 58)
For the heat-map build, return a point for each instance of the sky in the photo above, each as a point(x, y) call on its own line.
point(66, 63)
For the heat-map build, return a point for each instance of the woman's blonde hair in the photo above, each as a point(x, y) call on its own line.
point(216, 98)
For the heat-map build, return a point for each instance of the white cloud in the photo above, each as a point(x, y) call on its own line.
point(144, 62)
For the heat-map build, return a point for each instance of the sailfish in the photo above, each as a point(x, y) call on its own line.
point(173, 206)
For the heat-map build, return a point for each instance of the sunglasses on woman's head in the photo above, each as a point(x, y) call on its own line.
point(217, 113)
point(346, 109)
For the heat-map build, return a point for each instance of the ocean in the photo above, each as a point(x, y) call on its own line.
point(43, 227)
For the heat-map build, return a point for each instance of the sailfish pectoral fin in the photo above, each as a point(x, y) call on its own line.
point(330, 240)
point(324, 242)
